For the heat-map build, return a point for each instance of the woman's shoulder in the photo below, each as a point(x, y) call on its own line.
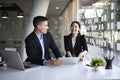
point(81, 36)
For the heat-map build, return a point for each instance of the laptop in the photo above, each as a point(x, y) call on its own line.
point(69, 60)
point(13, 60)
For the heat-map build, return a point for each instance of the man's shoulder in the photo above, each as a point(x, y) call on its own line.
point(67, 36)
point(31, 35)
point(47, 34)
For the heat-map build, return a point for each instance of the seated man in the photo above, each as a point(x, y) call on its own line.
point(38, 43)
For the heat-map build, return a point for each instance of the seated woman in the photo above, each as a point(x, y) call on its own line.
point(75, 43)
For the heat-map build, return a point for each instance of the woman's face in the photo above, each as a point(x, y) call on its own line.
point(75, 28)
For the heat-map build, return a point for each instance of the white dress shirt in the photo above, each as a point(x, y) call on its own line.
point(40, 37)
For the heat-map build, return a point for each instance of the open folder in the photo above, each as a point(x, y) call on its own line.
point(69, 60)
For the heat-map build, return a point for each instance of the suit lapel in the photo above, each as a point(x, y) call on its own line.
point(78, 40)
point(70, 41)
point(37, 41)
point(45, 44)
point(44, 39)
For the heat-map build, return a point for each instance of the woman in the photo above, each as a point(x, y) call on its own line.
point(75, 43)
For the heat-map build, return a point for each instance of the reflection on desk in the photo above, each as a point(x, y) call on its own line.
point(63, 72)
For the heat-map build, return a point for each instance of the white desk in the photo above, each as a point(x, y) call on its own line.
point(64, 72)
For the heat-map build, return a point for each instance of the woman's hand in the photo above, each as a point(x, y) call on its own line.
point(69, 54)
point(82, 54)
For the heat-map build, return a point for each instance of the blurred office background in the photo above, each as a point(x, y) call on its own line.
point(100, 20)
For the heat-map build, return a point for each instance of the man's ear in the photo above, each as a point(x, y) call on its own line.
point(39, 25)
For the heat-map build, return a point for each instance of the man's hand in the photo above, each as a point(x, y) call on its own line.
point(53, 62)
point(56, 62)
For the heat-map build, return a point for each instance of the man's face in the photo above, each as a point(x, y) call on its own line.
point(43, 27)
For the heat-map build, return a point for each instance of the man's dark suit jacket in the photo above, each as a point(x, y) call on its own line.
point(34, 49)
point(79, 46)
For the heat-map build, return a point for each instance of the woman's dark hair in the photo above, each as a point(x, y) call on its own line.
point(77, 23)
point(38, 19)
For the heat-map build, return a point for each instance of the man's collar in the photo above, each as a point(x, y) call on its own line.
point(39, 36)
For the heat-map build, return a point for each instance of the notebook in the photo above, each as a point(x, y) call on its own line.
point(13, 60)
point(69, 60)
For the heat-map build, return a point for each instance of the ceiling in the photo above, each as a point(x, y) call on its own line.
point(26, 5)
point(57, 3)
point(63, 3)
point(9, 7)
point(87, 2)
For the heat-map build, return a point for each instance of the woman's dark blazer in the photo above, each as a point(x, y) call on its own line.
point(80, 44)
point(34, 49)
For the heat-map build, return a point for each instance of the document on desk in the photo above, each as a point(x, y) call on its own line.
point(69, 60)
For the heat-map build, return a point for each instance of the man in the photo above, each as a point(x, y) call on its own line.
point(38, 43)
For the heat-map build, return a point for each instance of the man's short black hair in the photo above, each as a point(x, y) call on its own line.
point(39, 19)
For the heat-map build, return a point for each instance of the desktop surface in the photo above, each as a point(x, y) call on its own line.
point(63, 72)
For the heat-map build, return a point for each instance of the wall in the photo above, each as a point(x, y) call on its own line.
point(12, 29)
point(60, 25)
point(55, 29)
point(69, 15)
